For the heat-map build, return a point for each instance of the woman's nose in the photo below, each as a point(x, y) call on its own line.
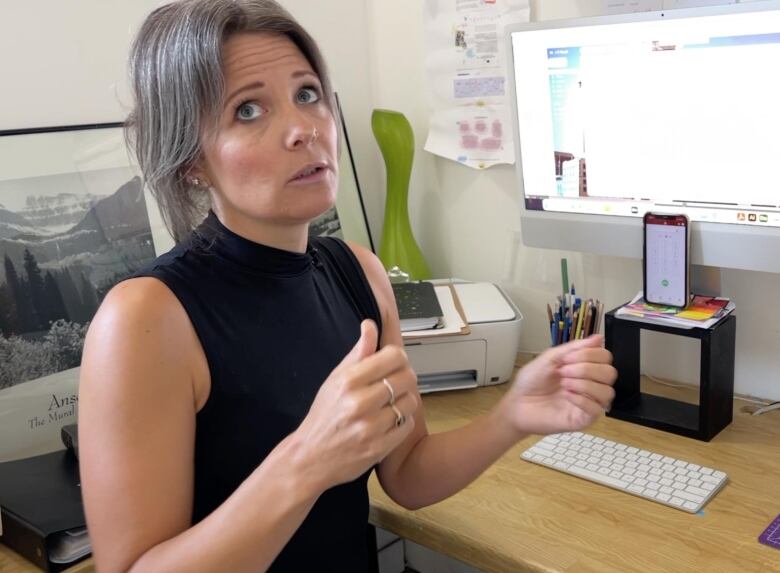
point(300, 131)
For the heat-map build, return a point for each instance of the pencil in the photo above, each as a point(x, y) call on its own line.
point(578, 333)
point(549, 313)
point(599, 316)
point(565, 276)
point(573, 329)
point(586, 324)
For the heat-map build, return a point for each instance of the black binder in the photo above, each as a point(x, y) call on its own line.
point(418, 306)
point(40, 499)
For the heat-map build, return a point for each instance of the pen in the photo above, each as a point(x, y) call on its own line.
point(554, 327)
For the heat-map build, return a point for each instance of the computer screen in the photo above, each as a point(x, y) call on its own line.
point(671, 112)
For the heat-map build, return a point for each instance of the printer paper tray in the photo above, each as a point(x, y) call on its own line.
point(447, 381)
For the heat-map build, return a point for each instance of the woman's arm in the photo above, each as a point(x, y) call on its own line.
point(144, 376)
point(565, 388)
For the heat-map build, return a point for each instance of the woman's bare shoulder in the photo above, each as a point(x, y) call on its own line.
point(372, 267)
point(142, 322)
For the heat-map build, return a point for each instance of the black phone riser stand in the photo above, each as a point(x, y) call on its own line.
point(716, 385)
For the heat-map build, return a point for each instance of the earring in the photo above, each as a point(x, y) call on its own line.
point(195, 182)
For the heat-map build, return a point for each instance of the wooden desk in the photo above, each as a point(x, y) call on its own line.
point(520, 517)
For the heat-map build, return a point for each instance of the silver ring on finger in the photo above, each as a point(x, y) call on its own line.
point(389, 391)
point(400, 419)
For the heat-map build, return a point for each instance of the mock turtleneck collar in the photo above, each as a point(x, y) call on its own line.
point(212, 236)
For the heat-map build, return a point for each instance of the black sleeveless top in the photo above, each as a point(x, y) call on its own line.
point(273, 325)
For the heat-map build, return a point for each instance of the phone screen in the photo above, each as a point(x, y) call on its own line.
point(666, 259)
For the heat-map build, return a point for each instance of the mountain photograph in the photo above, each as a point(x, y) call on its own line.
point(65, 240)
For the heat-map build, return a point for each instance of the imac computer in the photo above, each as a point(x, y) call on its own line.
point(675, 111)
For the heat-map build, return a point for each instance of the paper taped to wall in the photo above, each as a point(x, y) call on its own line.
point(466, 64)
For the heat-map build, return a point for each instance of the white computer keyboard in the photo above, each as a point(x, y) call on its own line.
point(656, 477)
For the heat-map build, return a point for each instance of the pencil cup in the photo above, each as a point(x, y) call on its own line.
point(573, 319)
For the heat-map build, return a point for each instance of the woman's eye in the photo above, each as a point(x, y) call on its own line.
point(308, 95)
point(248, 110)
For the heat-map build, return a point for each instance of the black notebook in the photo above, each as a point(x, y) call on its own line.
point(41, 510)
point(418, 306)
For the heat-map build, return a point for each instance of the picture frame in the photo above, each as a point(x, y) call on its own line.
point(74, 221)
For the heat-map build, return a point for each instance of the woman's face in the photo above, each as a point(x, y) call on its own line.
point(273, 158)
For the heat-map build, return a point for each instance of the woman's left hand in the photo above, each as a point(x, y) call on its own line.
point(566, 388)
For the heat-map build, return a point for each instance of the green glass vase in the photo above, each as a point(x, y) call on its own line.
point(398, 251)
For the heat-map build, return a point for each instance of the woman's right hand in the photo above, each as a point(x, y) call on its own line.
point(351, 424)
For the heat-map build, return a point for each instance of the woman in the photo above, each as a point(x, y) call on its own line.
point(236, 394)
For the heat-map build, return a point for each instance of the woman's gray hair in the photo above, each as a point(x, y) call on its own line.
point(177, 78)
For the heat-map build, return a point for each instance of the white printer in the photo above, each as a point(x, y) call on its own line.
point(484, 356)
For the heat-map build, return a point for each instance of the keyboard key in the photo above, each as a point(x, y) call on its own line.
point(697, 490)
point(598, 477)
point(689, 496)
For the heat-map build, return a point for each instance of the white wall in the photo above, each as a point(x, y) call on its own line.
point(64, 63)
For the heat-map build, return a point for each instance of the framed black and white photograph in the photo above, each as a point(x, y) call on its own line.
point(73, 223)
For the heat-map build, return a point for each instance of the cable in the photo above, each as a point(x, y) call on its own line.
point(665, 383)
point(767, 408)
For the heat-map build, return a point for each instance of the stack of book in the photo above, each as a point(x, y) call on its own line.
point(702, 312)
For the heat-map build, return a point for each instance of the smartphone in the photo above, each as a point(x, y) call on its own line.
point(666, 261)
